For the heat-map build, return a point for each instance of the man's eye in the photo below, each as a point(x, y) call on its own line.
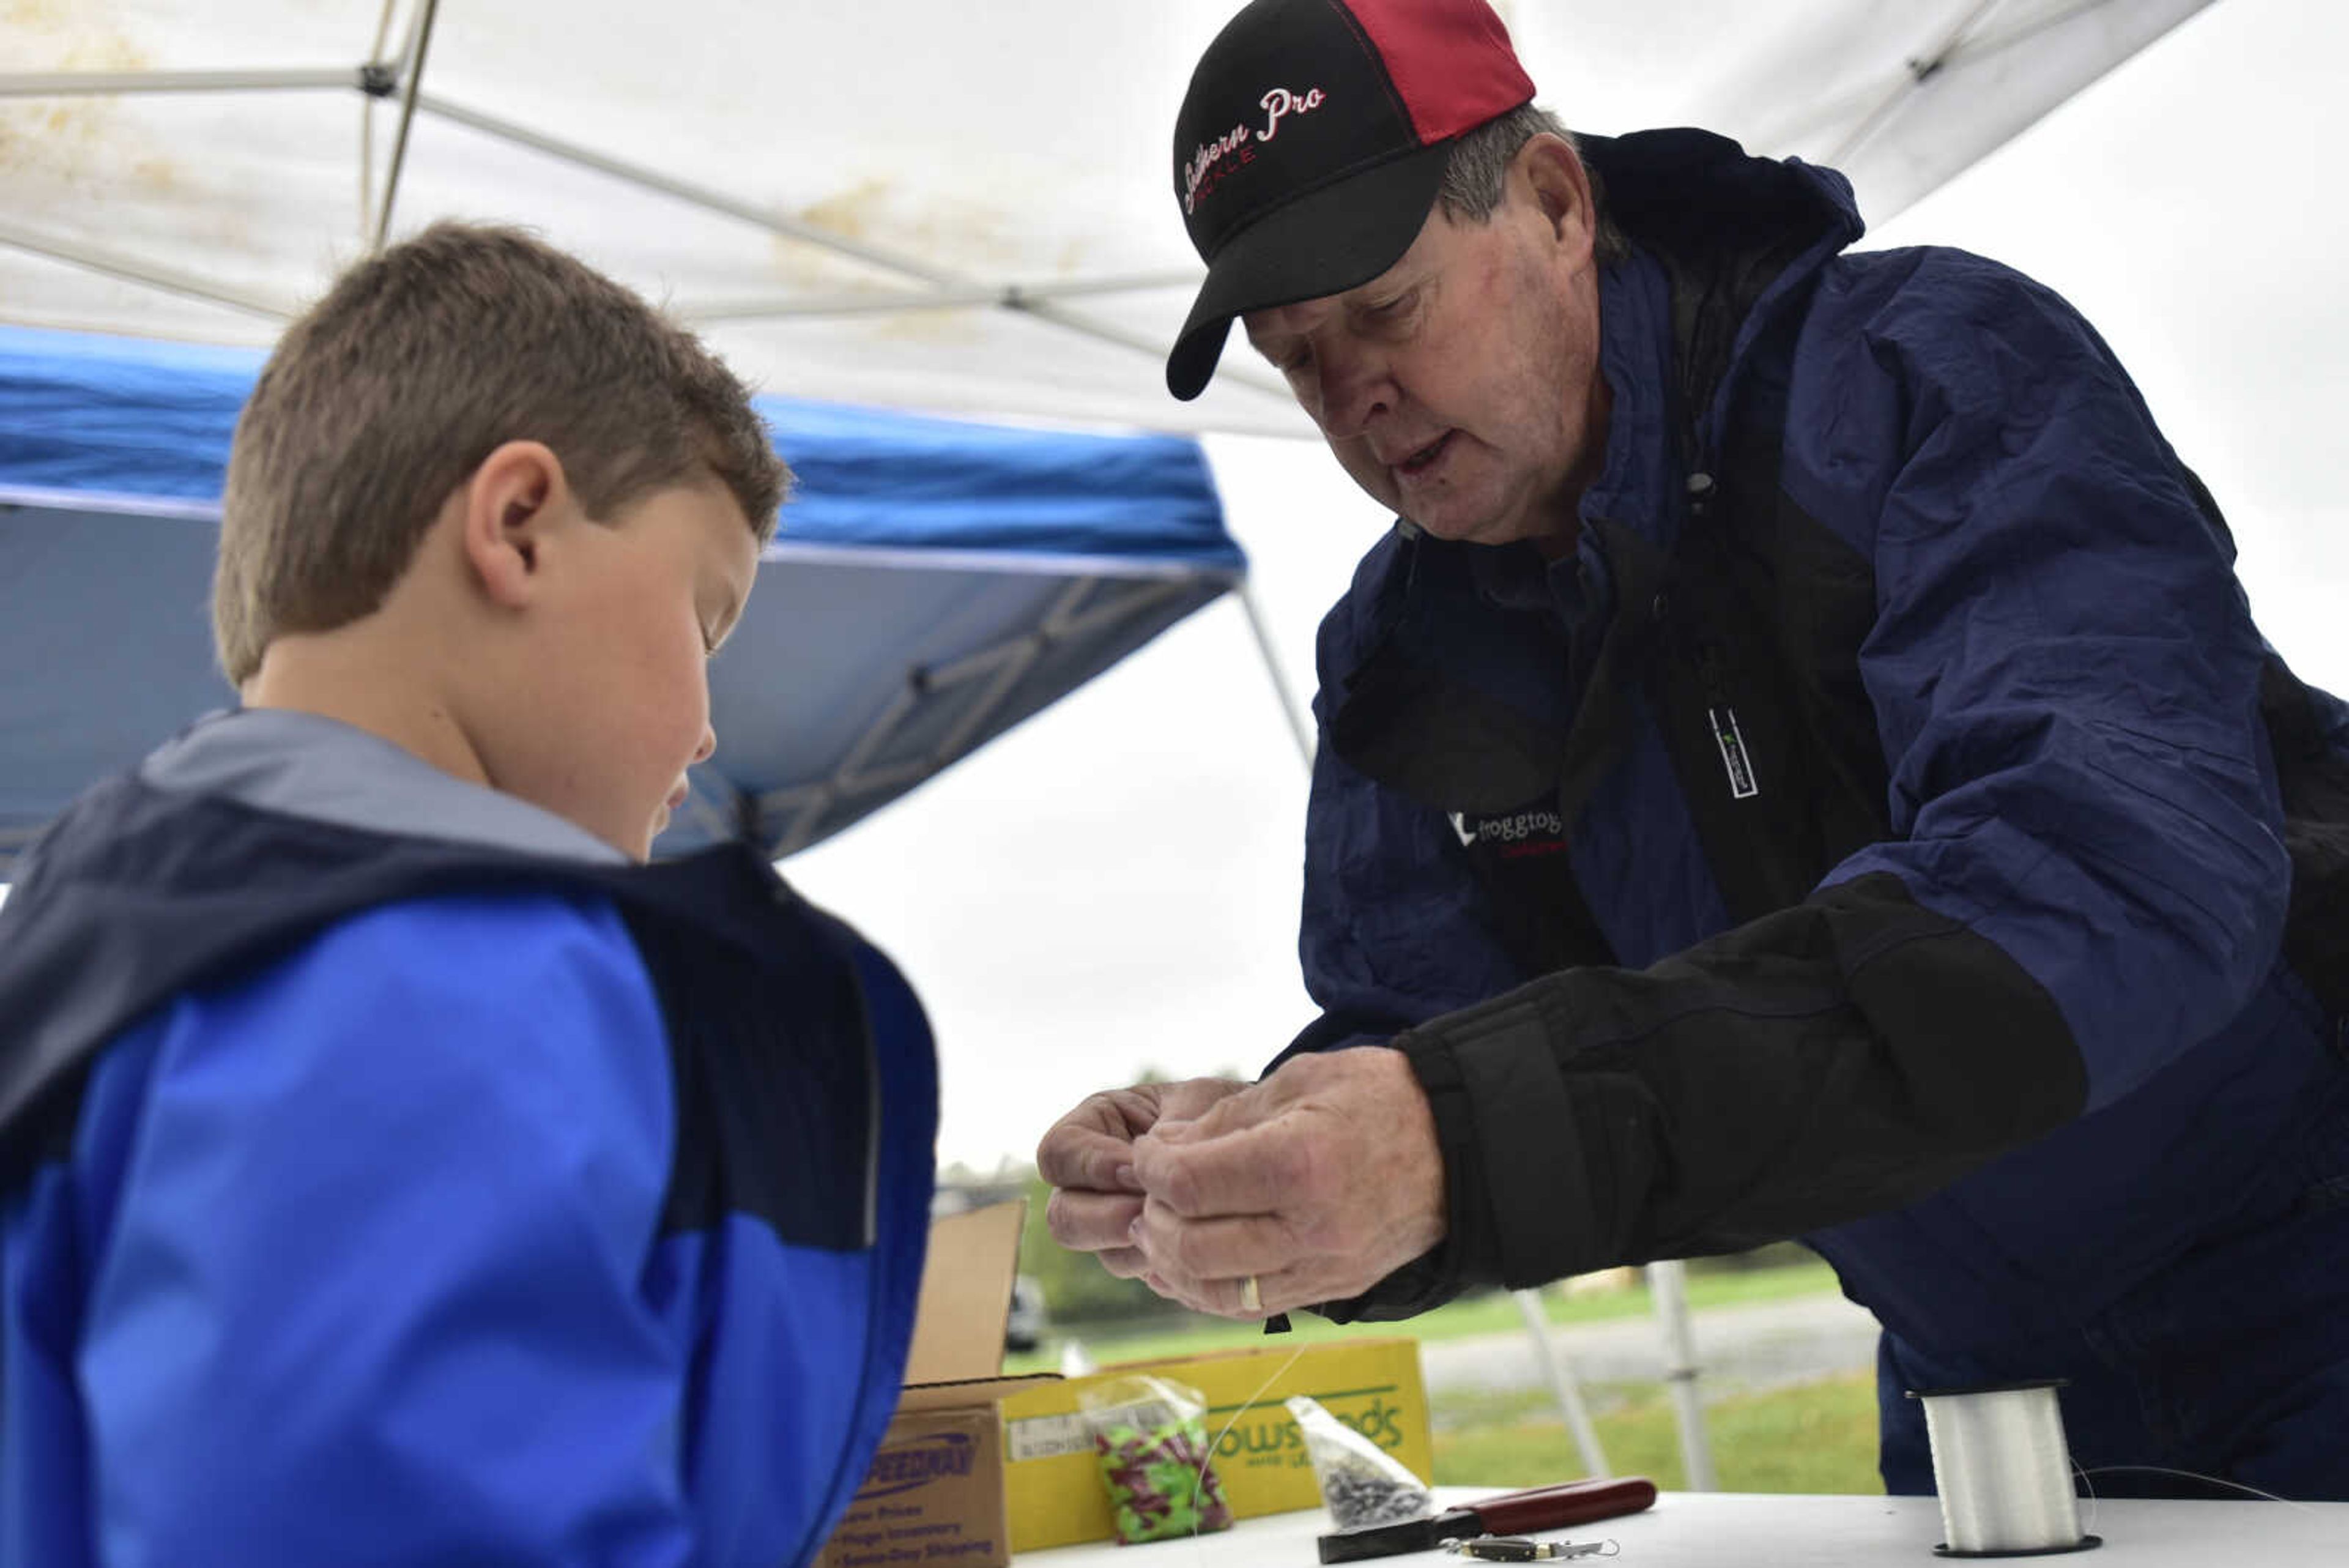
point(1389, 309)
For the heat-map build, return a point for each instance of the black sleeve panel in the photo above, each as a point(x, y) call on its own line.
point(1849, 1055)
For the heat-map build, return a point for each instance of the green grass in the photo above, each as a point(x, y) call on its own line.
point(1490, 1314)
point(1808, 1437)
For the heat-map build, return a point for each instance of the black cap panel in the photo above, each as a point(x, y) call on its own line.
point(1288, 98)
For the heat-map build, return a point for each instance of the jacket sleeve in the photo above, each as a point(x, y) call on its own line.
point(2088, 876)
point(372, 1287)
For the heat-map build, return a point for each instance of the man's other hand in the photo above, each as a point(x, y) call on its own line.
point(1319, 1181)
point(1088, 1159)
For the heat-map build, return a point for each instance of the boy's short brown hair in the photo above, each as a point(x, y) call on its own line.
point(417, 364)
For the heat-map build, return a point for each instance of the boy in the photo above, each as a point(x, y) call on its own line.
point(392, 1168)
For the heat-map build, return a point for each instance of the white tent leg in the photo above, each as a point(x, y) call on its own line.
point(1300, 724)
point(1562, 1384)
point(1668, 1281)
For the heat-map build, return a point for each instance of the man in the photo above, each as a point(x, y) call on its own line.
point(1801, 765)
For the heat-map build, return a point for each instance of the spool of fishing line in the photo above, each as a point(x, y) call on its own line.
point(2003, 1472)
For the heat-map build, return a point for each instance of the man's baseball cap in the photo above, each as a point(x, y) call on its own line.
point(1310, 147)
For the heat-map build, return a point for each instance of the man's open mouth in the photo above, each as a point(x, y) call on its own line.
point(1425, 457)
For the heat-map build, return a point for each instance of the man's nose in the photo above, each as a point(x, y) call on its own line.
point(1355, 389)
point(702, 752)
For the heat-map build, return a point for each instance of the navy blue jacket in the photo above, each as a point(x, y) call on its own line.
point(1875, 832)
point(390, 1173)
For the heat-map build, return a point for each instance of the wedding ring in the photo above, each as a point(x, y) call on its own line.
point(1251, 1298)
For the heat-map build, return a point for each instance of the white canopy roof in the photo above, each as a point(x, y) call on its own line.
point(916, 203)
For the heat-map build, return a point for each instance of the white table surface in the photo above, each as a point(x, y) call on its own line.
point(1736, 1530)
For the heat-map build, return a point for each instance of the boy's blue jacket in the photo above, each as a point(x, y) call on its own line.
point(1889, 826)
point(391, 1173)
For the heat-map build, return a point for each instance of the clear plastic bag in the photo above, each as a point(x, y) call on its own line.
point(1152, 1439)
point(1361, 1484)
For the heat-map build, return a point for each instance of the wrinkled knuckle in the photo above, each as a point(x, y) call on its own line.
point(1177, 1186)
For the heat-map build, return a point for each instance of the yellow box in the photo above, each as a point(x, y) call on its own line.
point(1053, 1480)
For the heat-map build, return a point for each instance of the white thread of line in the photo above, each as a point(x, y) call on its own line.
point(1207, 1460)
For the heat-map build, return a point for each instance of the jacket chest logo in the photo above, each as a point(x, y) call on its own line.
point(1513, 836)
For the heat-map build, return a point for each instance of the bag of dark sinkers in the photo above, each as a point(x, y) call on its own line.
point(1152, 1439)
point(1361, 1484)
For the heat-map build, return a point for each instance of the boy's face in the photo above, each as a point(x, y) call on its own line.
point(618, 702)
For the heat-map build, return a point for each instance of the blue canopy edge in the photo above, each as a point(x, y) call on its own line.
point(99, 417)
point(933, 582)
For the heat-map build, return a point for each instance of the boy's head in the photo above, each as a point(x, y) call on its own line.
point(489, 503)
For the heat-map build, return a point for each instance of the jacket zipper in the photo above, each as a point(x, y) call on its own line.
point(876, 1297)
point(1723, 720)
point(1720, 717)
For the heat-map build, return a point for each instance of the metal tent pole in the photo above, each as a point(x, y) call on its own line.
point(1037, 302)
point(1300, 724)
point(1668, 1281)
point(1917, 72)
point(1563, 1384)
point(81, 83)
point(794, 818)
point(130, 269)
point(413, 64)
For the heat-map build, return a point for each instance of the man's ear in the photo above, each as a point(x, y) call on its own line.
point(1560, 187)
point(512, 505)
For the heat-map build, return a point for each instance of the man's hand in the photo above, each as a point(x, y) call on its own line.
point(1319, 1181)
point(1088, 1157)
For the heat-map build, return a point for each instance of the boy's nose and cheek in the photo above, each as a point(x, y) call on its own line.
point(678, 791)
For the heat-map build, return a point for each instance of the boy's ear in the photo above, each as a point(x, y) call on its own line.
point(512, 504)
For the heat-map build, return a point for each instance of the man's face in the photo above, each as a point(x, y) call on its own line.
point(621, 706)
point(1460, 387)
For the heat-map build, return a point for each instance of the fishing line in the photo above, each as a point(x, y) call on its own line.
point(1199, 1481)
point(2193, 1475)
point(2003, 1472)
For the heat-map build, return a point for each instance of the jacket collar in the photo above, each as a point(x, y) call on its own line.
point(321, 770)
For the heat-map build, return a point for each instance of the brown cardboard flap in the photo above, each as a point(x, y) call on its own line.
point(966, 1294)
point(920, 1396)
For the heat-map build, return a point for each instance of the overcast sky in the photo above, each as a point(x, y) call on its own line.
point(1115, 885)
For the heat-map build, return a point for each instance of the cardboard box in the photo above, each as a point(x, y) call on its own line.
point(1054, 1478)
point(934, 1497)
